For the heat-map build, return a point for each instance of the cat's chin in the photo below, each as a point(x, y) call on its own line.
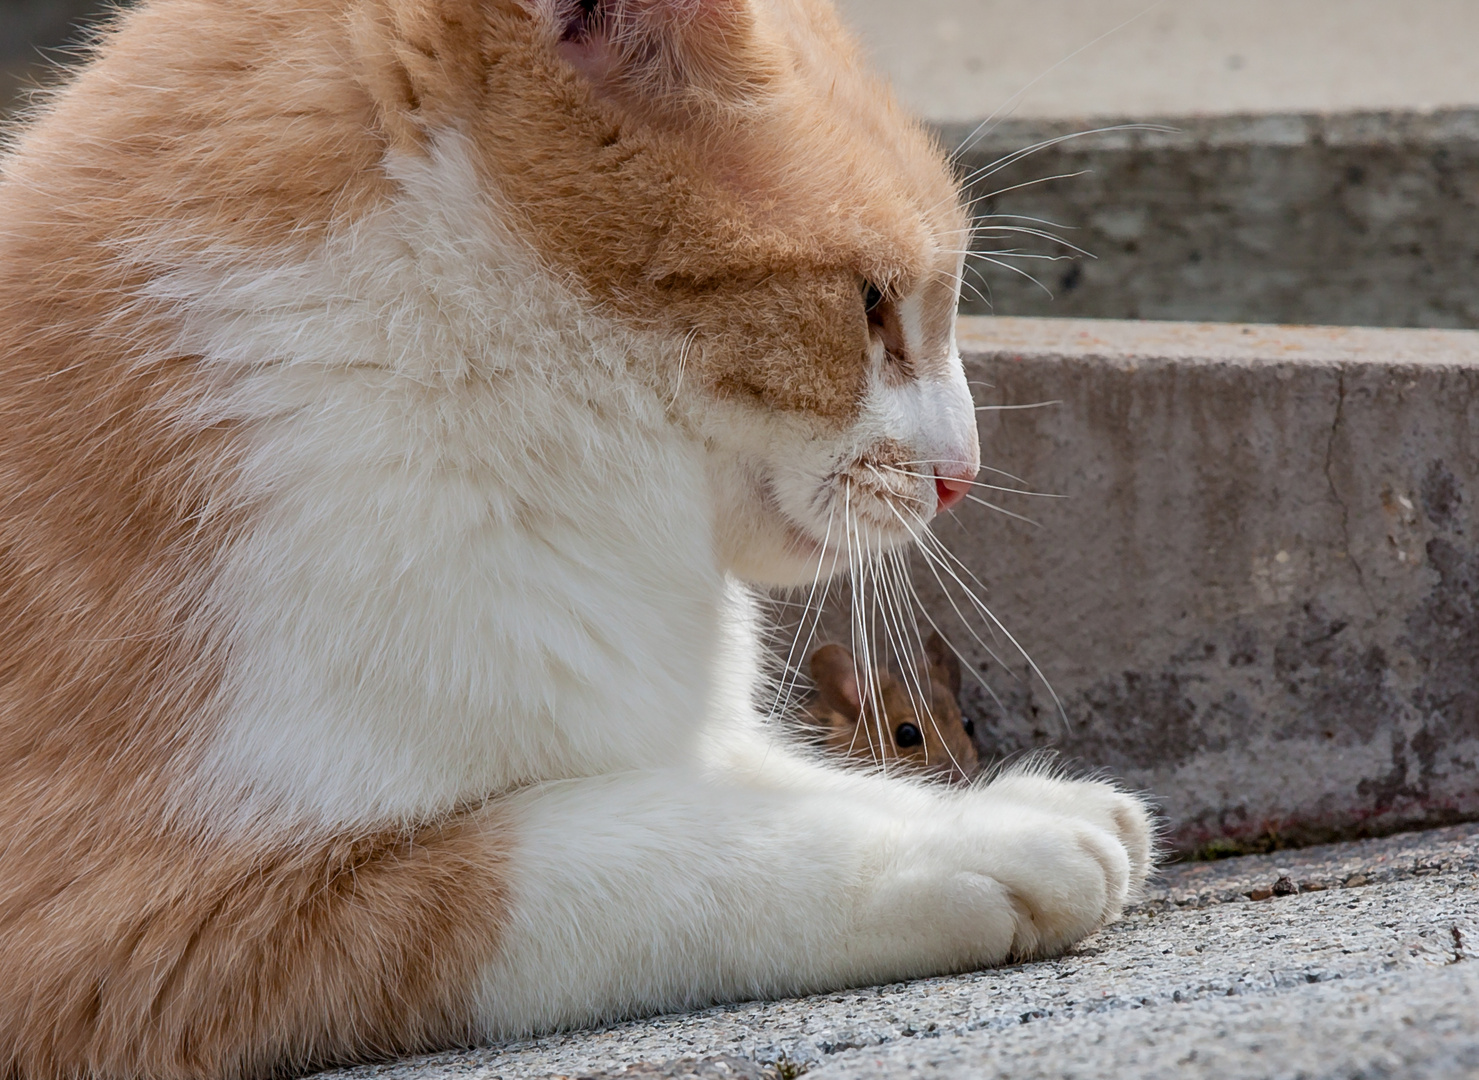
point(762, 544)
point(779, 553)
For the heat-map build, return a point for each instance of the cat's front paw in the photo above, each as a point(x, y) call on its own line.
point(989, 880)
point(1124, 816)
point(1067, 877)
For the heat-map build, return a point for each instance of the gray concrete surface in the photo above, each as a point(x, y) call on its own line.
point(1365, 219)
point(1356, 961)
point(1258, 599)
point(1255, 598)
point(964, 59)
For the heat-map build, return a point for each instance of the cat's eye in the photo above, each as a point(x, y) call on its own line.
point(907, 735)
point(580, 21)
point(970, 727)
point(884, 324)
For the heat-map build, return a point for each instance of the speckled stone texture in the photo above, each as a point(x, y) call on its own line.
point(1358, 961)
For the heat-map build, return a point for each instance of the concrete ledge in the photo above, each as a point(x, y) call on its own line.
point(1364, 219)
point(1258, 601)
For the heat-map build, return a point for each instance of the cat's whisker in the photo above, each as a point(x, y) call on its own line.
point(990, 168)
point(952, 560)
point(920, 696)
point(1022, 230)
point(905, 643)
point(1010, 104)
point(852, 576)
point(878, 611)
point(864, 670)
point(1018, 253)
point(792, 665)
point(1027, 217)
point(1017, 408)
point(964, 284)
point(975, 200)
point(864, 635)
point(920, 607)
point(967, 268)
point(934, 564)
point(1024, 273)
point(1002, 510)
point(917, 694)
point(981, 484)
point(986, 612)
point(984, 468)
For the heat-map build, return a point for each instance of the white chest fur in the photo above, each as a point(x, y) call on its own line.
point(476, 547)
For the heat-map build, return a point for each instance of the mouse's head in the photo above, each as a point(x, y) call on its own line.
point(913, 720)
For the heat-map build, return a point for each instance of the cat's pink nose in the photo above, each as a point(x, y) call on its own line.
point(952, 486)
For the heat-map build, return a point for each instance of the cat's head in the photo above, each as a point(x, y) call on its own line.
point(726, 181)
point(911, 721)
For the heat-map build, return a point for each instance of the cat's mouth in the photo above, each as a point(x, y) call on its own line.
point(861, 509)
point(881, 501)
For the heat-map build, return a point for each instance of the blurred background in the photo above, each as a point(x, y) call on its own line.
point(1307, 161)
point(31, 32)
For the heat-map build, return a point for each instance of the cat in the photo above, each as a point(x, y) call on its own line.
point(910, 720)
point(402, 401)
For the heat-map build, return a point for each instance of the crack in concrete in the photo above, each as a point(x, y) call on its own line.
point(1345, 510)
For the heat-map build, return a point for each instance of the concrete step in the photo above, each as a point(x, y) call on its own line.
point(1324, 170)
point(1366, 219)
point(1260, 599)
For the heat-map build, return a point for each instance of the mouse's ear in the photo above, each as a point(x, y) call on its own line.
point(944, 665)
point(836, 676)
point(661, 52)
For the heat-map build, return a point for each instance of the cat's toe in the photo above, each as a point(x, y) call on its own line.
point(1126, 817)
point(1066, 878)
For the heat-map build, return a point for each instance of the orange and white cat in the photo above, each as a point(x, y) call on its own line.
point(399, 399)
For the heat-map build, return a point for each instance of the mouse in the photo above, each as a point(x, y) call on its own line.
point(911, 720)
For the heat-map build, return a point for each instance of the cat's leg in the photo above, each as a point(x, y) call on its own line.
point(748, 749)
point(181, 957)
point(670, 889)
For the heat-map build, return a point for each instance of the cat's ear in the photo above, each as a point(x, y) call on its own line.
point(836, 676)
point(660, 52)
point(944, 665)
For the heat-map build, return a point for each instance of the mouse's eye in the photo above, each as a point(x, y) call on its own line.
point(872, 296)
point(970, 726)
point(907, 735)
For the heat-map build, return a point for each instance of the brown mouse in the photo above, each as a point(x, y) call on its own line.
point(928, 737)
